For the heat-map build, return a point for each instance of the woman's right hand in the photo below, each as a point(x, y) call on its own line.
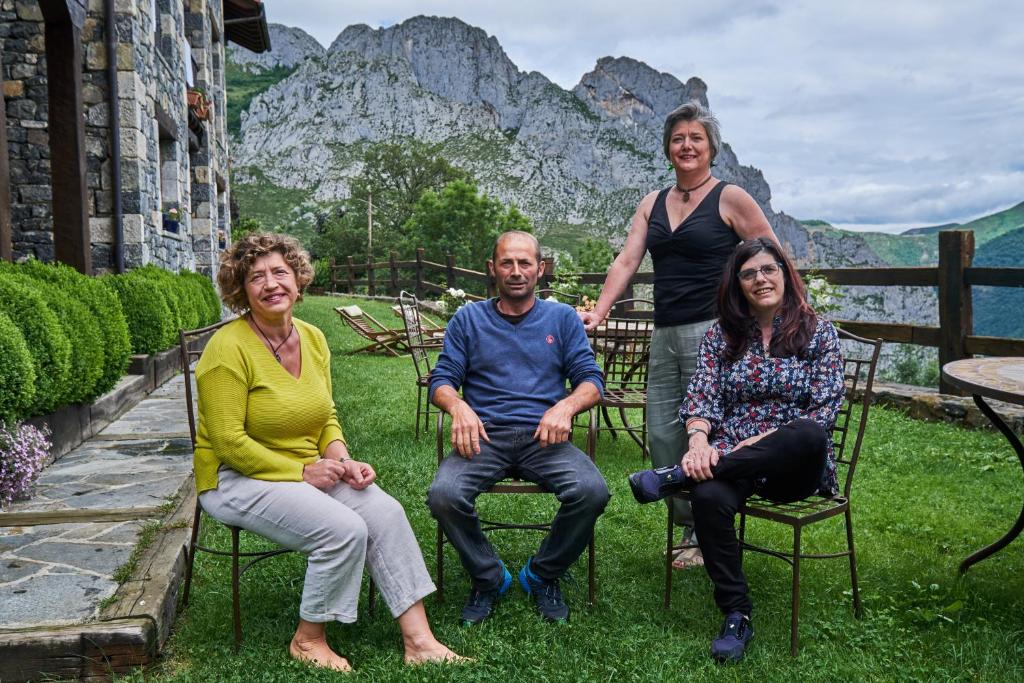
point(698, 461)
point(590, 320)
point(323, 473)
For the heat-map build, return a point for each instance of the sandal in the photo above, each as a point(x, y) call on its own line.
point(687, 558)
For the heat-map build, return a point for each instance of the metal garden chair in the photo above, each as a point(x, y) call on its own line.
point(622, 345)
point(419, 344)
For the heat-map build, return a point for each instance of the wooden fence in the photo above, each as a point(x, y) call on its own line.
point(953, 277)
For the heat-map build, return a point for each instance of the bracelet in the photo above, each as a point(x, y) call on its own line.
point(693, 430)
point(344, 459)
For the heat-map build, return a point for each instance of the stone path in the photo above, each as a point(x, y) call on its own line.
point(60, 550)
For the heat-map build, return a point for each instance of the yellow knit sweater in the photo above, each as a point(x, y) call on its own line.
point(254, 416)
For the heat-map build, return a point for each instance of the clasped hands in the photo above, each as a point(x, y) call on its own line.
point(701, 457)
point(325, 473)
point(467, 428)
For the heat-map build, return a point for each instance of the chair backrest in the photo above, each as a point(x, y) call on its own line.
point(561, 297)
point(859, 376)
point(622, 346)
point(410, 308)
point(190, 346)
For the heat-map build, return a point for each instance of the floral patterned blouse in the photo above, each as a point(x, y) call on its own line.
point(759, 392)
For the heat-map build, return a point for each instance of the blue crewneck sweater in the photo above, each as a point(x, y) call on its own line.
point(511, 374)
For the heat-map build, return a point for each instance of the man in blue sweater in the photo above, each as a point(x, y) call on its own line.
point(512, 356)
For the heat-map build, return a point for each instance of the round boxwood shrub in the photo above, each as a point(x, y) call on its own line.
point(184, 316)
point(210, 311)
point(17, 376)
point(49, 346)
point(150, 322)
point(105, 307)
point(81, 329)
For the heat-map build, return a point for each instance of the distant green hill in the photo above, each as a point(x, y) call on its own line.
point(986, 228)
point(998, 310)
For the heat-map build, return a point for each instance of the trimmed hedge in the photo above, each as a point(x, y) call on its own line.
point(208, 303)
point(105, 307)
point(17, 375)
point(82, 331)
point(151, 324)
point(46, 340)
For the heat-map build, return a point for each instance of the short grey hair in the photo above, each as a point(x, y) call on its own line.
point(694, 111)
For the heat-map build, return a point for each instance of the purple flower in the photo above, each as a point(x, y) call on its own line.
point(23, 450)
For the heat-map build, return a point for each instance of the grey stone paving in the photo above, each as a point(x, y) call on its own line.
point(59, 574)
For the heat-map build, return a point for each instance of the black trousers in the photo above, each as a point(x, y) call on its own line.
point(791, 460)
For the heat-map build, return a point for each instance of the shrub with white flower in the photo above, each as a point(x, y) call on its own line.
point(451, 301)
point(823, 296)
point(23, 450)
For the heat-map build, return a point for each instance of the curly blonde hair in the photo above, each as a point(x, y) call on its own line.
point(236, 261)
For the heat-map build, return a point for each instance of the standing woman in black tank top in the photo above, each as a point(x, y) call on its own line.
point(690, 229)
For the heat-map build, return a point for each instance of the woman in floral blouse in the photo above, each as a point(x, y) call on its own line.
point(760, 411)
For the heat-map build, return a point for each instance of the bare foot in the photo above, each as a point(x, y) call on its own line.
point(430, 653)
point(319, 654)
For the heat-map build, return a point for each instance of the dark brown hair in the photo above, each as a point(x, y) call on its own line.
point(798, 318)
point(236, 261)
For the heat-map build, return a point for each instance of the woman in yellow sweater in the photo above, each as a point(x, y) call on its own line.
point(270, 457)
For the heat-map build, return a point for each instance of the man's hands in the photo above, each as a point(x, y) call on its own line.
point(556, 424)
point(467, 430)
point(325, 473)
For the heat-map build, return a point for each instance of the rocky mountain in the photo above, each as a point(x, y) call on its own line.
point(289, 47)
point(575, 161)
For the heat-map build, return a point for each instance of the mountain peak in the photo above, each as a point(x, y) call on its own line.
point(620, 87)
point(289, 46)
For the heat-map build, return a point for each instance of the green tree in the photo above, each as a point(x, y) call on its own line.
point(594, 256)
point(395, 175)
point(460, 220)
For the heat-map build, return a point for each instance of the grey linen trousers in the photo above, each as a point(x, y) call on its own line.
point(338, 530)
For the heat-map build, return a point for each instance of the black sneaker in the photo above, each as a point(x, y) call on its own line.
point(480, 604)
point(547, 596)
point(651, 485)
point(732, 640)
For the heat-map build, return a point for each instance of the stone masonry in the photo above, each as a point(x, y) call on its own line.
point(163, 48)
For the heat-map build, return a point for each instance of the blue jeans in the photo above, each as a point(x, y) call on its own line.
point(562, 469)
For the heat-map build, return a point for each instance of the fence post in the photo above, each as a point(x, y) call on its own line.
point(371, 288)
point(334, 276)
point(549, 272)
point(956, 320)
point(351, 276)
point(393, 264)
point(419, 273)
point(449, 269)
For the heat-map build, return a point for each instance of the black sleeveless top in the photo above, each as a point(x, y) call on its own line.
point(689, 261)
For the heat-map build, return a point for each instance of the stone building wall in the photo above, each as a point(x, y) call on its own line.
point(25, 95)
point(160, 169)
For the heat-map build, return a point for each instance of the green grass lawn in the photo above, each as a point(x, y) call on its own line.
point(926, 496)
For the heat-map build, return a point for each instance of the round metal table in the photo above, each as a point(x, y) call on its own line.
point(1000, 379)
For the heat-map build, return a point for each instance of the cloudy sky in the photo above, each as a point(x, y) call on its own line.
point(871, 114)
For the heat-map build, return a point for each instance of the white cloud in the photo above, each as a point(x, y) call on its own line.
point(868, 112)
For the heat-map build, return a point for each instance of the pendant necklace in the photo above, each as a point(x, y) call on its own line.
point(686, 192)
point(273, 349)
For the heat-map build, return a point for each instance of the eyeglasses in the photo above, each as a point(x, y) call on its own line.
point(767, 270)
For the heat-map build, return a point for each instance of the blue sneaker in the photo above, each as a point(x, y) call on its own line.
point(732, 640)
point(547, 596)
point(480, 604)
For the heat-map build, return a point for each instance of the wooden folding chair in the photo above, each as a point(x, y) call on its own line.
point(622, 345)
point(815, 508)
point(390, 341)
point(513, 485)
point(190, 344)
